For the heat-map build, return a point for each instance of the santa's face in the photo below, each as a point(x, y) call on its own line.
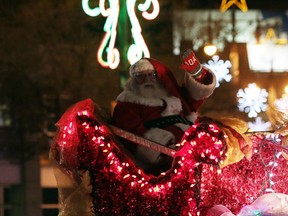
point(145, 77)
point(147, 85)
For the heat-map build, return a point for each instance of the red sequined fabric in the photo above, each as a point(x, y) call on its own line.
point(192, 186)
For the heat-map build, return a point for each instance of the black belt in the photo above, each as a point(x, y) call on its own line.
point(166, 121)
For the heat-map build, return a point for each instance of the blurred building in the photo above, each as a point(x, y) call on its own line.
point(255, 42)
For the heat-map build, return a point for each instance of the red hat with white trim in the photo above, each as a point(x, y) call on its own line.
point(140, 66)
point(166, 78)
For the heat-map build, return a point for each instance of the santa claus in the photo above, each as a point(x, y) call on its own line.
point(154, 106)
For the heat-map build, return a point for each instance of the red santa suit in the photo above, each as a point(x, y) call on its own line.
point(162, 120)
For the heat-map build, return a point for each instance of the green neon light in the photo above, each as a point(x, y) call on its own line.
point(107, 47)
point(91, 12)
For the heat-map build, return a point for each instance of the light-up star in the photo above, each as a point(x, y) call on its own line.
point(136, 50)
point(252, 100)
point(225, 4)
point(220, 69)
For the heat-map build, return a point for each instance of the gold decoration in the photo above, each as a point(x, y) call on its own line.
point(279, 122)
point(237, 149)
point(239, 145)
point(234, 59)
point(228, 3)
point(271, 36)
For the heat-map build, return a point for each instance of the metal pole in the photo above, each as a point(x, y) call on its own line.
point(123, 41)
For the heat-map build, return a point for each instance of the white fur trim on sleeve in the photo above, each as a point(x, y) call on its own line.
point(182, 126)
point(159, 135)
point(198, 90)
point(173, 106)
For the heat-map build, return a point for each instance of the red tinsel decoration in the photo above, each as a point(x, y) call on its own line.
point(192, 185)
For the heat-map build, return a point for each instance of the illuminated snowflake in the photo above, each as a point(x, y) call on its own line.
point(220, 69)
point(259, 125)
point(252, 100)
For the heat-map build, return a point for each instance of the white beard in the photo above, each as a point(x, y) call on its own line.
point(151, 90)
point(151, 94)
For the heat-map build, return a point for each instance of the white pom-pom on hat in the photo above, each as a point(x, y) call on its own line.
point(141, 65)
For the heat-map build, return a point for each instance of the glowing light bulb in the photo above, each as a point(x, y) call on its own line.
point(210, 49)
point(286, 90)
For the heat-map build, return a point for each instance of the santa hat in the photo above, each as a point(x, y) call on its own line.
point(167, 79)
point(141, 65)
